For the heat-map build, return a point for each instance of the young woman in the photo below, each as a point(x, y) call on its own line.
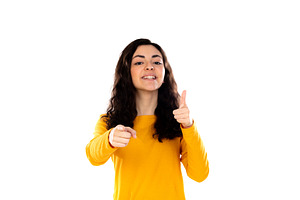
point(147, 130)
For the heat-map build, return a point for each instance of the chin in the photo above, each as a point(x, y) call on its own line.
point(149, 88)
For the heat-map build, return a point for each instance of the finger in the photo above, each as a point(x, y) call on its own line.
point(176, 112)
point(181, 121)
point(122, 134)
point(121, 140)
point(180, 111)
point(131, 131)
point(183, 99)
point(117, 144)
point(182, 116)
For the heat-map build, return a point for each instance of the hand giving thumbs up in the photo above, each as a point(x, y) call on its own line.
point(182, 114)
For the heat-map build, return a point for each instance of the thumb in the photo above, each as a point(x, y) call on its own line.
point(131, 131)
point(182, 99)
point(120, 128)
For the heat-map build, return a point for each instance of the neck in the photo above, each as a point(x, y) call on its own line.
point(146, 102)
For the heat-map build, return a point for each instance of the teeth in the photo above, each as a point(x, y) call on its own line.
point(148, 77)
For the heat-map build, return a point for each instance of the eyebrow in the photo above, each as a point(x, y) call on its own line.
point(154, 56)
point(141, 56)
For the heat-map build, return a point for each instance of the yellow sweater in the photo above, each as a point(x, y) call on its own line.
point(146, 169)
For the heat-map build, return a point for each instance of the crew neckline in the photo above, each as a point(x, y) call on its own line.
point(146, 116)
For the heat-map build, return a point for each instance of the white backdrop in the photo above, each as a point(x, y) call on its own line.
point(238, 60)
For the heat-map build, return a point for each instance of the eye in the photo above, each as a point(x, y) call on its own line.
point(157, 63)
point(138, 63)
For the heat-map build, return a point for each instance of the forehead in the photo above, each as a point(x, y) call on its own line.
point(147, 50)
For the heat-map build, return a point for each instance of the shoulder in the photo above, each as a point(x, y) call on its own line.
point(102, 122)
point(103, 116)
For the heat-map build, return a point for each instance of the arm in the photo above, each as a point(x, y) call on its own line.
point(193, 155)
point(98, 150)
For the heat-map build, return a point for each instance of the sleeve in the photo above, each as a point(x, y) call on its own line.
point(193, 155)
point(98, 150)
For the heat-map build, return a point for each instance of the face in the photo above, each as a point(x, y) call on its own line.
point(147, 68)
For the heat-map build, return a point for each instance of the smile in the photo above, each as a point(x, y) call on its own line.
point(149, 77)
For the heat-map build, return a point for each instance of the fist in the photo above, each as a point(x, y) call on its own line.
point(120, 136)
point(182, 114)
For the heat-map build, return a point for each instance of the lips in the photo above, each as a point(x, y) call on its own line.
point(149, 77)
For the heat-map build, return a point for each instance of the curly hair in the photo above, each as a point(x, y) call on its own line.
point(122, 106)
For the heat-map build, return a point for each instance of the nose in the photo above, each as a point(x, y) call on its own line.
point(149, 67)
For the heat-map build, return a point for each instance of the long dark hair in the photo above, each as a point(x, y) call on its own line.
point(122, 107)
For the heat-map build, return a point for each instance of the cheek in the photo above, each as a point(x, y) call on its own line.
point(162, 73)
point(134, 74)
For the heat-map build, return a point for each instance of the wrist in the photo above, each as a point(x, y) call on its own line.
point(110, 137)
point(187, 125)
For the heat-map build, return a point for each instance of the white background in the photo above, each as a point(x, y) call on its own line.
point(238, 60)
